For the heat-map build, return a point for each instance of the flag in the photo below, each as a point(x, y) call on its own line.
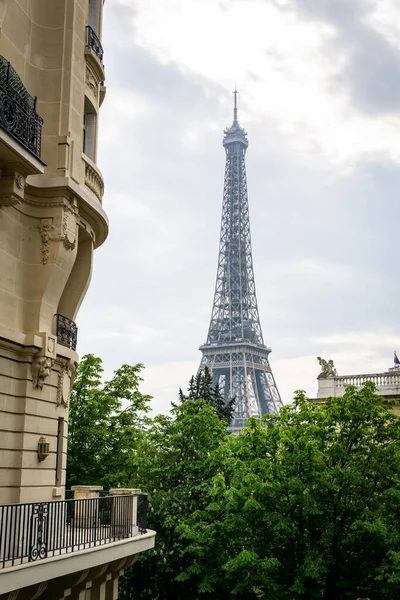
point(396, 359)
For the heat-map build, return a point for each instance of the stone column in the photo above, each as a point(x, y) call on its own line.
point(326, 387)
point(99, 587)
point(86, 509)
point(86, 491)
point(124, 512)
point(112, 586)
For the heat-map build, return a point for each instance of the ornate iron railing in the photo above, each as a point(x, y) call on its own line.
point(93, 42)
point(18, 114)
point(39, 530)
point(66, 331)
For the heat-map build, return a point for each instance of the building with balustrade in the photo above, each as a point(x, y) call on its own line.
point(51, 221)
point(387, 384)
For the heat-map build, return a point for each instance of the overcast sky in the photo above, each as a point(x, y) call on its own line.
point(319, 84)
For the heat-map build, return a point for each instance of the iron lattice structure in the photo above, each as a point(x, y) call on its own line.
point(235, 350)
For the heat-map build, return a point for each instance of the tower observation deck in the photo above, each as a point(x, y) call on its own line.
point(235, 351)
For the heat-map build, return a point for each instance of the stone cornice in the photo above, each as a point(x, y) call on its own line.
point(34, 343)
point(51, 191)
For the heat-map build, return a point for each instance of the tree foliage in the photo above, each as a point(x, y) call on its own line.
point(310, 506)
point(181, 456)
point(106, 425)
point(201, 388)
point(303, 505)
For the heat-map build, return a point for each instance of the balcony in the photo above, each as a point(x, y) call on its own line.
point(93, 42)
point(41, 530)
point(93, 178)
point(66, 331)
point(18, 115)
point(59, 549)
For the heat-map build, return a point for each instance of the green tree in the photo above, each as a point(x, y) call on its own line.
point(308, 506)
point(106, 425)
point(303, 505)
point(180, 458)
point(201, 388)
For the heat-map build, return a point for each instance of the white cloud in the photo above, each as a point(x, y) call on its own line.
point(127, 106)
point(160, 381)
point(323, 243)
point(385, 18)
point(368, 339)
point(288, 68)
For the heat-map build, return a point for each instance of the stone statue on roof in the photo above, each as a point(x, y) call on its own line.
point(327, 368)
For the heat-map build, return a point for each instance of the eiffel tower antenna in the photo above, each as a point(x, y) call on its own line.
point(235, 93)
point(235, 351)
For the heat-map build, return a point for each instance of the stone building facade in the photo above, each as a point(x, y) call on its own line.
point(51, 220)
point(332, 385)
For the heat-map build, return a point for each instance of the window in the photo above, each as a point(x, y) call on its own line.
point(94, 16)
point(89, 131)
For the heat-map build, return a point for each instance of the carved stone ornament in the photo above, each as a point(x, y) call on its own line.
point(92, 82)
point(327, 368)
point(8, 200)
point(45, 228)
point(41, 369)
point(64, 385)
point(68, 233)
point(20, 181)
point(12, 188)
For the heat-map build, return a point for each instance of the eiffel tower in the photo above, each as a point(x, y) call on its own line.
point(235, 350)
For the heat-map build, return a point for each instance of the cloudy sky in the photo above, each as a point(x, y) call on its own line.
point(319, 85)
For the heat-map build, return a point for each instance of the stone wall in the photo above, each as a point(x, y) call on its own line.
point(51, 219)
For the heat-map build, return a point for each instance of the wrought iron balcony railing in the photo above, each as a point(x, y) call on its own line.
point(93, 42)
point(18, 114)
point(66, 331)
point(39, 530)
